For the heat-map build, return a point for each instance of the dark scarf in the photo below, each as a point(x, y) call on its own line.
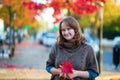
point(69, 45)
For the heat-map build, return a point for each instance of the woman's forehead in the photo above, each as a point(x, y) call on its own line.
point(65, 23)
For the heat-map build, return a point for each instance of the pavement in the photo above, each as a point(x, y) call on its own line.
point(23, 74)
point(32, 67)
point(28, 54)
point(33, 74)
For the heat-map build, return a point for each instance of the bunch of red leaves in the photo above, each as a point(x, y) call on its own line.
point(66, 69)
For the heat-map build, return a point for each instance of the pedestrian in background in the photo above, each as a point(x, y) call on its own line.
point(116, 54)
point(71, 46)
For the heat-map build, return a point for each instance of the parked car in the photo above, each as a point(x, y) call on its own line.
point(93, 43)
point(49, 39)
point(116, 40)
point(116, 51)
point(43, 35)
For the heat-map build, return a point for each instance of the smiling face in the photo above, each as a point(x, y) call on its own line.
point(70, 31)
point(67, 32)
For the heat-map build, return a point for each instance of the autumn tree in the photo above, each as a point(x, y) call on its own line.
point(14, 13)
point(77, 7)
point(85, 11)
point(111, 19)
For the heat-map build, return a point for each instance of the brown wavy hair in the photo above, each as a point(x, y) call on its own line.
point(74, 24)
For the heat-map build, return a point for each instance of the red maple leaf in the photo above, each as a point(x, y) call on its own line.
point(67, 69)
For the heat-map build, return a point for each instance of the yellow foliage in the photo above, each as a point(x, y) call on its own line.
point(111, 11)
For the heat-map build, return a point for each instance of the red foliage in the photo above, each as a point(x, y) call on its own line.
point(101, 1)
point(67, 68)
point(33, 5)
point(33, 9)
point(78, 7)
point(90, 8)
point(57, 20)
point(6, 2)
point(56, 7)
point(30, 5)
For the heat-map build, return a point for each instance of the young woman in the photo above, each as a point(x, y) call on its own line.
point(71, 46)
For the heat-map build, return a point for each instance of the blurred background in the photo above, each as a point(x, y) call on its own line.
point(28, 29)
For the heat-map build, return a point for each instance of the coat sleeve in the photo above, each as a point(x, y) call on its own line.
point(91, 62)
point(51, 57)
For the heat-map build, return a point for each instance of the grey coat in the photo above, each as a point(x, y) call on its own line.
point(82, 58)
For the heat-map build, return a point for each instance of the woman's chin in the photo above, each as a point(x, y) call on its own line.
point(68, 39)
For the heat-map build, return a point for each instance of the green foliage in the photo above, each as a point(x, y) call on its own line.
point(16, 15)
point(84, 21)
point(111, 27)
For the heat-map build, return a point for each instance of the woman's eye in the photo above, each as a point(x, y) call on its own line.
point(69, 29)
point(63, 30)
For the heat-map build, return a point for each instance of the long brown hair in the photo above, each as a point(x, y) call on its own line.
point(73, 23)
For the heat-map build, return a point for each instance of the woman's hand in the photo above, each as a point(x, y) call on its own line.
point(75, 74)
point(70, 75)
point(55, 71)
point(83, 74)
